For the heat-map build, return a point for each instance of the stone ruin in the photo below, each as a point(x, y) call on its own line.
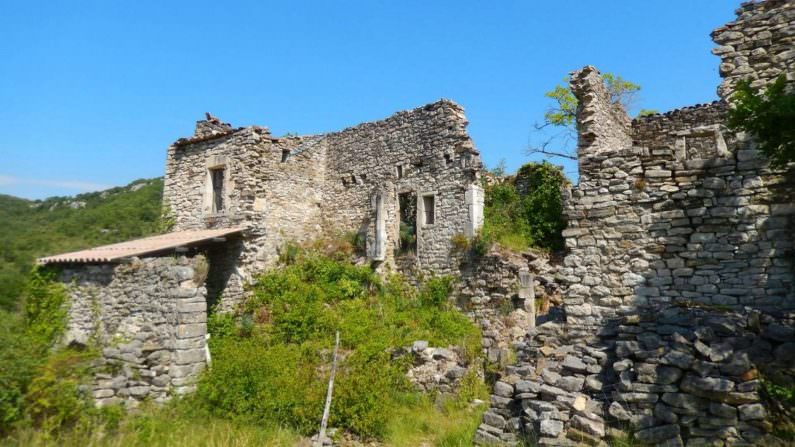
point(406, 187)
point(678, 283)
point(675, 295)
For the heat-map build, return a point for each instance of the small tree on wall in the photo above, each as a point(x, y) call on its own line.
point(561, 115)
point(769, 116)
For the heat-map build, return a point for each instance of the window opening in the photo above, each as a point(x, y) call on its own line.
point(285, 155)
point(407, 241)
point(399, 171)
point(427, 205)
point(217, 177)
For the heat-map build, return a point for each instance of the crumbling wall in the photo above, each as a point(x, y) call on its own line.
point(679, 276)
point(296, 189)
point(148, 317)
point(272, 189)
point(488, 293)
point(425, 151)
point(759, 45)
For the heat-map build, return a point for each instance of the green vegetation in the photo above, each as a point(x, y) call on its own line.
point(37, 385)
point(564, 112)
point(271, 359)
point(562, 115)
point(769, 116)
point(533, 219)
point(270, 366)
point(31, 229)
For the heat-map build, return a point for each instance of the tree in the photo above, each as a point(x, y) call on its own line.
point(562, 115)
point(769, 116)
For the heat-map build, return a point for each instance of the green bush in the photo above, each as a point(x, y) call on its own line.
point(769, 116)
point(53, 399)
point(19, 357)
point(534, 219)
point(45, 306)
point(277, 372)
point(25, 343)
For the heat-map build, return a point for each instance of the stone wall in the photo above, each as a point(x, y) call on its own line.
point(436, 157)
point(759, 45)
point(303, 188)
point(679, 274)
point(488, 293)
point(148, 317)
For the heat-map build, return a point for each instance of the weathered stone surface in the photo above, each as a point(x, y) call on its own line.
point(139, 306)
point(550, 427)
point(659, 434)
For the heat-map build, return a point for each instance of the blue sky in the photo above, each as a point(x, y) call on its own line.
point(92, 93)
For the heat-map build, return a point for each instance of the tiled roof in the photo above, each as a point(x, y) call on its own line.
point(139, 247)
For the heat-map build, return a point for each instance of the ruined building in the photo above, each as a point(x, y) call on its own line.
point(677, 288)
point(404, 186)
point(680, 273)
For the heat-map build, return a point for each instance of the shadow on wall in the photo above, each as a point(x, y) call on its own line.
point(712, 306)
point(224, 282)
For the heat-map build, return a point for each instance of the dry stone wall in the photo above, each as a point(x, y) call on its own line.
point(149, 319)
point(679, 276)
point(759, 45)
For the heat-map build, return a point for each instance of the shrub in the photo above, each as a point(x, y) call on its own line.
point(53, 399)
point(19, 358)
point(45, 310)
point(534, 218)
point(277, 371)
point(25, 342)
point(768, 116)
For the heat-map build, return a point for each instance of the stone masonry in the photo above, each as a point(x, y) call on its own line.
point(149, 319)
point(294, 189)
point(679, 275)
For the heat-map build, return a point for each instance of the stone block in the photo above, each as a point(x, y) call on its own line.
point(191, 330)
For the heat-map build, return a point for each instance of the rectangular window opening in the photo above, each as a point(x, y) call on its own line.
point(399, 171)
point(428, 208)
point(217, 178)
point(285, 155)
point(407, 242)
point(448, 159)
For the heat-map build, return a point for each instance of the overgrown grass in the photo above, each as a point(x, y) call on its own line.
point(271, 363)
point(271, 359)
point(176, 424)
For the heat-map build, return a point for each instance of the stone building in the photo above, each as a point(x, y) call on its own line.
point(405, 186)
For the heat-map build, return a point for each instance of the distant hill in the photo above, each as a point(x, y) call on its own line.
point(33, 228)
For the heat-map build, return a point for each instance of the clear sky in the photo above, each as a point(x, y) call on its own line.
point(93, 92)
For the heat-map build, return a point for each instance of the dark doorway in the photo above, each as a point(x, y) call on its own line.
point(407, 241)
